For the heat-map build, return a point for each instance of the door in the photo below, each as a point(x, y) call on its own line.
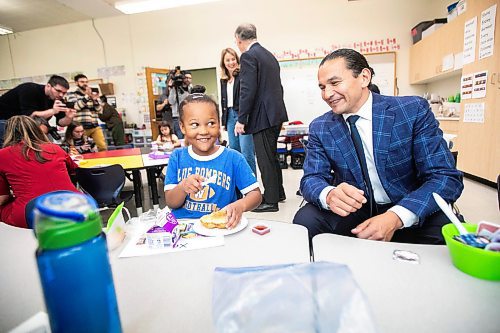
point(156, 80)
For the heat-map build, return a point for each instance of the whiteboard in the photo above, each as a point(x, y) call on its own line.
point(300, 84)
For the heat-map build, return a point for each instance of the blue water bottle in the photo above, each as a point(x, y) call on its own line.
point(73, 263)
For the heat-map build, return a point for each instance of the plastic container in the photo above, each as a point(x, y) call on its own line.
point(479, 263)
point(73, 264)
point(416, 31)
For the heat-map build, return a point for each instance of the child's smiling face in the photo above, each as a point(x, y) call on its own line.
point(200, 125)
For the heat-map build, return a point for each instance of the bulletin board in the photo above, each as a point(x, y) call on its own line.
point(300, 84)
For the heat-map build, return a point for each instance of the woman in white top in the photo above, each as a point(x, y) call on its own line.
point(230, 96)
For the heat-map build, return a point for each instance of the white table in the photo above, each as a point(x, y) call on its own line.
point(432, 296)
point(167, 292)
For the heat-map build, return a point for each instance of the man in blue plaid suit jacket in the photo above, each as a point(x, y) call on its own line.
point(406, 160)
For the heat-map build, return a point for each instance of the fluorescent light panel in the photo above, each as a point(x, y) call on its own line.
point(141, 6)
point(5, 30)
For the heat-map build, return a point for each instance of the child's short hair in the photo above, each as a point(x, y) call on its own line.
point(198, 98)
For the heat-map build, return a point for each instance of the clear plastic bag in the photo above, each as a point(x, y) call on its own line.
point(314, 297)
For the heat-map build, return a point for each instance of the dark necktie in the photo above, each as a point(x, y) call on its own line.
point(358, 145)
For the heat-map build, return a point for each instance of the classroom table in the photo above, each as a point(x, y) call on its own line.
point(432, 296)
point(160, 293)
point(132, 160)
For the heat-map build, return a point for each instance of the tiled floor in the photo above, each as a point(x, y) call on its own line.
point(478, 202)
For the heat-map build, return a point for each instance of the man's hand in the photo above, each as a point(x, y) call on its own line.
point(380, 227)
point(345, 199)
point(59, 106)
point(239, 128)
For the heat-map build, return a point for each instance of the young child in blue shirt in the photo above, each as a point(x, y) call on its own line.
point(202, 160)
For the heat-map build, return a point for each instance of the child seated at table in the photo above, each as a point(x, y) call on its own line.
point(30, 166)
point(167, 140)
point(76, 142)
point(203, 160)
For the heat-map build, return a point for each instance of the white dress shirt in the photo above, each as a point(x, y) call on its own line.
point(229, 90)
point(364, 126)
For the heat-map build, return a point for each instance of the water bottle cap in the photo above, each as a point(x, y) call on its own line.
point(65, 219)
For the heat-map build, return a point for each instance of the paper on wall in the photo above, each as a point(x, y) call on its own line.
point(466, 86)
point(487, 32)
point(448, 62)
point(474, 113)
point(459, 61)
point(479, 84)
point(470, 40)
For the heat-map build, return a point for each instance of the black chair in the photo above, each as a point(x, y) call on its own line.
point(126, 146)
point(498, 190)
point(304, 143)
point(104, 184)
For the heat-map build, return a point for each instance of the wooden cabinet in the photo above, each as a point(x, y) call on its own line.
point(426, 56)
point(478, 144)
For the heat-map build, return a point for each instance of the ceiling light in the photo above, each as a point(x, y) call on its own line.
point(5, 30)
point(141, 6)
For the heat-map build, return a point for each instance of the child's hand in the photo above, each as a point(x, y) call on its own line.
point(192, 184)
point(234, 211)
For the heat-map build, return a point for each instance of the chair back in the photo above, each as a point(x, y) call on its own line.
point(498, 190)
point(104, 183)
point(126, 146)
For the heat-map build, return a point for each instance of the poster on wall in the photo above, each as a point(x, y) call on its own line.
point(474, 113)
point(487, 32)
point(470, 41)
point(466, 86)
point(479, 84)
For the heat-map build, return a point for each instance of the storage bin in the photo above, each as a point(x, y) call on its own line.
point(298, 156)
point(417, 30)
point(282, 155)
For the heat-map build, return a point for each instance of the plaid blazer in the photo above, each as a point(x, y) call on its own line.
point(411, 156)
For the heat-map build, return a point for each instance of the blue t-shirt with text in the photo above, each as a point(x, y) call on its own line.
point(232, 172)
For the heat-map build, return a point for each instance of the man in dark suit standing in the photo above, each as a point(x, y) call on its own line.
point(262, 111)
point(387, 155)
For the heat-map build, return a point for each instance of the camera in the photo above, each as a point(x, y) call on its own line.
point(91, 143)
point(51, 130)
point(70, 105)
point(177, 76)
point(53, 133)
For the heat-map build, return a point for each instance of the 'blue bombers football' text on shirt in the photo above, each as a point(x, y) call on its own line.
point(231, 170)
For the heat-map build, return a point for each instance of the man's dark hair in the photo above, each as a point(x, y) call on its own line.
point(79, 76)
point(186, 72)
point(58, 80)
point(354, 60)
point(374, 88)
point(198, 98)
point(104, 99)
point(246, 31)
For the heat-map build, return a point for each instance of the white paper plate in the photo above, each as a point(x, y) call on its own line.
point(200, 229)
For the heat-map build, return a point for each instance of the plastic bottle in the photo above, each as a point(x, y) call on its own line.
point(73, 263)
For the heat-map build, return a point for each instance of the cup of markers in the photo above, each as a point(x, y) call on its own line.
point(480, 258)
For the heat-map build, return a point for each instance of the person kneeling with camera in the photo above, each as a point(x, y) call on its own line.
point(76, 142)
point(179, 85)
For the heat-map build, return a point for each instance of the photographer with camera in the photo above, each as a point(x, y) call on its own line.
point(32, 99)
point(49, 131)
point(88, 109)
point(179, 85)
